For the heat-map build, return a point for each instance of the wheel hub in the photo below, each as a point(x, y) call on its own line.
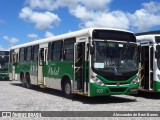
point(67, 88)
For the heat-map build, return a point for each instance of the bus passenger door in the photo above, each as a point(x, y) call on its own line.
point(80, 67)
point(13, 55)
point(147, 65)
point(41, 66)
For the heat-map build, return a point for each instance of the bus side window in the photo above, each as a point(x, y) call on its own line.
point(28, 53)
point(69, 49)
point(49, 51)
point(25, 54)
point(35, 52)
point(17, 58)
point(32, 53)
point(57, 50)
point(21, 54)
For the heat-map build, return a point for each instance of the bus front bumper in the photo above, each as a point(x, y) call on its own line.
point(4, 76)
point(96, 90)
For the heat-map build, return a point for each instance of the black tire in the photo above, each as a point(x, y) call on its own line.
point(23, 82)
point(28, 82)
point(66, 88)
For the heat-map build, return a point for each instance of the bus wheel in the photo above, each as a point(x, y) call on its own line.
point(67, 89)
point(28, 82)
point(23, 82)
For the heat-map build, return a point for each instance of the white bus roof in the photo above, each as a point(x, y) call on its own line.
point(147, 38)
point(87, 32)
point(4, 50)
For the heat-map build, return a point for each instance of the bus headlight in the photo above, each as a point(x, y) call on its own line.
point(134, 81)
point(97, 81)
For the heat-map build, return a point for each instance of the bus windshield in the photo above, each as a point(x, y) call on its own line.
point(4, 62)
point(114, 58)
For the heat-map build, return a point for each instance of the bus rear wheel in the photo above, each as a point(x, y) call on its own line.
point(67, 89)
point(23, 82)
point(28, 82)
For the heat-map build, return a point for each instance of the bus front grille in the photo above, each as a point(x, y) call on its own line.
point(118, 78)
point(117, 89)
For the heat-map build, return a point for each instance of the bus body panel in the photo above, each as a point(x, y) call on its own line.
point(55, 71)
point(156, 86)
point(33, 72)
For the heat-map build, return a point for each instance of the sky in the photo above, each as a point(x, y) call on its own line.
point(24, 21)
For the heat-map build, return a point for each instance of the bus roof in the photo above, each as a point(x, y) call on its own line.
point(148, 33)
point(5, 50)
point(87, 32)
point(147, 36)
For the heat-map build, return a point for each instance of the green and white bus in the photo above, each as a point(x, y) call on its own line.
point(149, 43)
point(4, 62)
point(89, 62)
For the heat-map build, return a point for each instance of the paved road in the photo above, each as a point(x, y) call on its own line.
point(13, 97)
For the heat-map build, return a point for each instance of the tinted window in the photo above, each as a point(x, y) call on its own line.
point(22, 54)
point(29, 50)
point(113, 35)
point(69, 49)
point(35, 52)
point(4, 52)
point(57, 50)
point(157, 39)
point(49, 51)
